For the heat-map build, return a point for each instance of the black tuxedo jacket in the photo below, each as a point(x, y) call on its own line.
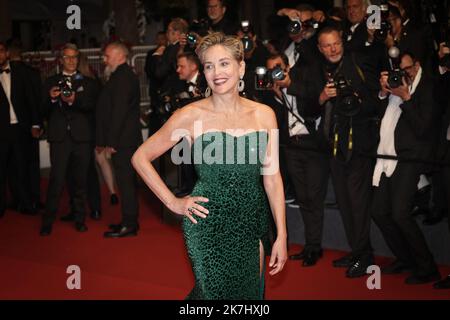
point(415, 132)
point(75, 119)
point(23, 101)
point(118, 111)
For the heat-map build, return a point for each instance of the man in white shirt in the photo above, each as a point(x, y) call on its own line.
point(18, 114)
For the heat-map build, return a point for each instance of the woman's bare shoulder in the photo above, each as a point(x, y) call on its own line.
point(263, 113)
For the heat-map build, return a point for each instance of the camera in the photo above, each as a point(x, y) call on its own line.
point(385, 27)
point(296, 26)
point(247, 41)
point(265, 78)
point(191, 40)
point(348, 102)
point(65, 86)
point(445, 60)
point(395, 78)
point(201, 27)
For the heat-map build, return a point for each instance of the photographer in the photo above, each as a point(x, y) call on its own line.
point(300, 40)
point(218, 22)
point(68, 104)
point(164, 61)
point(306, 163)
point(188, 69)
point(255, 54)
point(406, 132)
point(444, 55)
point(350, 110)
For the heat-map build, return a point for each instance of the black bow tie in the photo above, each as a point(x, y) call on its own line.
point(5, 70)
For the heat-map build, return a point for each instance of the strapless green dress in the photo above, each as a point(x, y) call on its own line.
point(224, 247)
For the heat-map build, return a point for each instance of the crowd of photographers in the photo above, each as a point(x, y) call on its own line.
point(365, 106)
point(344, 91)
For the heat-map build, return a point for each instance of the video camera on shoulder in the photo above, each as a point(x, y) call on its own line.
point(265, 78)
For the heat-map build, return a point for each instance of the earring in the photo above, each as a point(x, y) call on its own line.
point(241, 85)
point(208, 92)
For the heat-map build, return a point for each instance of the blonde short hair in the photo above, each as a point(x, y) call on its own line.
point(232, 43)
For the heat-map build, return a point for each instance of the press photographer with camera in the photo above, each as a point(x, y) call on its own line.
point(306, 164)
point(444, 55)
point(300, 38)
point(218, 22)
point(349, 123)
point(255, 55)
point(68, 104)
point(407, 133)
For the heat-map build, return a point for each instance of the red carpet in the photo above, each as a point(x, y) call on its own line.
point(153, 265)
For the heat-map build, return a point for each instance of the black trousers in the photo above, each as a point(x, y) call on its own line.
point(14, 161)
point(308, 171)
point(352, 182)
point(35, 171)
point(447, 179)
point(93, 194)
point(127, 182)
point(73, 156)
point(391, 211)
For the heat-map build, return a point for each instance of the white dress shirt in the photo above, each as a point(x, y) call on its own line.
point(5, 79)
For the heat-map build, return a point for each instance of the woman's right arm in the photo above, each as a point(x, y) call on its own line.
point(164, 139)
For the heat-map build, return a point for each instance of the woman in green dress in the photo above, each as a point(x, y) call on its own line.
point(226, 218)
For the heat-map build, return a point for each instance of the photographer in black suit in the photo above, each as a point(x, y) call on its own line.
point(295, 103)
point(69, 100)
point(119, 132)
point(406, 132)
point(444, 55)
point(19, 122)
point(349, 124)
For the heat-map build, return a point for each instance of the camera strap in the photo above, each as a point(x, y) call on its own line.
point(290, 108)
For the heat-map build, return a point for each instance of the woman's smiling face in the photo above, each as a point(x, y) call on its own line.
point(222, 70)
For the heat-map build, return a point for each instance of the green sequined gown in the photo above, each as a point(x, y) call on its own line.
point(224, 247)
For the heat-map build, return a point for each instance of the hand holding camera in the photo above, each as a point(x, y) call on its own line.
point(328, 93)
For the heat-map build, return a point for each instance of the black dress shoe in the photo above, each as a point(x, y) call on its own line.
point(81, 227)
point(344, 262)
point(46, 230)
point(396, 267)
point(311, 258)
point(121, 233)
point(435, 216)
point(359, 267)
point(114, 199)
point(298, 256)
point(70, 217)
point(442, 284)
point(96, 215)
point(422, 279)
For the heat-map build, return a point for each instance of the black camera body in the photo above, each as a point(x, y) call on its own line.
point(201, 27)
point(296, 26)
point(247, 41)
point(265, 78)
point(65, 86)
point(395, 78)
point(445, 60)
point(382, 33)
point(348, 102)
point(191, 40)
